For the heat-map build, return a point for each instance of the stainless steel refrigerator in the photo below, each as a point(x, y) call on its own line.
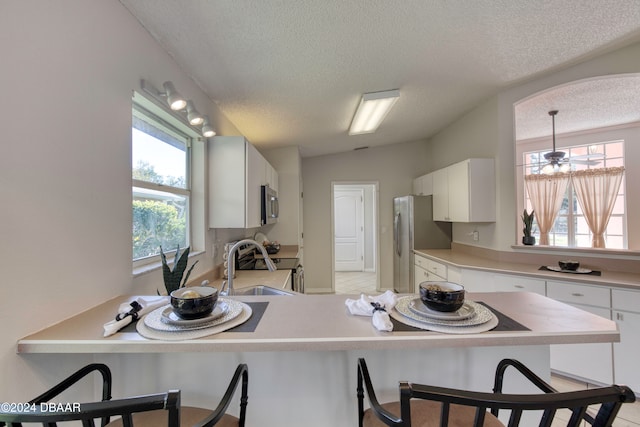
point(414, 228)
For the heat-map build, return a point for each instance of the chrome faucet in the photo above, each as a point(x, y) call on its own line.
point(231, 262)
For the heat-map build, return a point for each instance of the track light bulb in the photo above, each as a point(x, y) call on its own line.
point(207, 130)
point(175, 100)
point(194, 117)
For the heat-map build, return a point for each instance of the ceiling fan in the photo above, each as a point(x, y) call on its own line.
point(557, 162)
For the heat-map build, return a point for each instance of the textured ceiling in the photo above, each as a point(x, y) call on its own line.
point(289, 72)
point(581, 105)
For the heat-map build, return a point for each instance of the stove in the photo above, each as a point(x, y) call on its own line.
point(246, 260)
point(281, 264)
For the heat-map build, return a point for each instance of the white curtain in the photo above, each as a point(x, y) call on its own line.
point(546, 193)
point(596, 190)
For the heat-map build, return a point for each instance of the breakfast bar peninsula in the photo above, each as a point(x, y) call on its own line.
point(302, 353)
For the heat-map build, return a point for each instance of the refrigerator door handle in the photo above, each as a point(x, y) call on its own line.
point(396, 233)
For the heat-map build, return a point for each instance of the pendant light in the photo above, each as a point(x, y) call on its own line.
point(556, 160)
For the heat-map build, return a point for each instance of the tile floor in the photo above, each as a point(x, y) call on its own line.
point(629, 415)
point(358, 282)
point(355, 282)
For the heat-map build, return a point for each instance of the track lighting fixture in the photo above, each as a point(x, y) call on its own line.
point(180, 106)
point(207, 130)
point(194, 117)
point(175, 100)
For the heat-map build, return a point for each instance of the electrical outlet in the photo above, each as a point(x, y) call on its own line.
point(476, 235)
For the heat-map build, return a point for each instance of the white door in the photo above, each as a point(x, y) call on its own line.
point(349, 229)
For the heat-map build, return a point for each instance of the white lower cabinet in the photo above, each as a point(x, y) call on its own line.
point(626, 313)
point(476, 280)
point(454, 274)
point(427, 270)
point(593, 362)
point(599, 363)
point(513, 283)
point(423, 275)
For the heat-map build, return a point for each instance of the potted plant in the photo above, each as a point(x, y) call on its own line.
point(527, 219)
point(173, 278)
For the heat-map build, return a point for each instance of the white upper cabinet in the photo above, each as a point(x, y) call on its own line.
point(236, 172)
point(271, 176)
point(441, 195)
point(465, 192)
point(423, 185)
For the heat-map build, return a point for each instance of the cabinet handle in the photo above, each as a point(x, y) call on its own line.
point(519, 286)
point(620, 316)
point(577, 294)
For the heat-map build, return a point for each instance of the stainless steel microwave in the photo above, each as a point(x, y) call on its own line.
point(269, 203)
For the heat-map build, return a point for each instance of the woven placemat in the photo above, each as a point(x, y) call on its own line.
point(250, 325)
point(505, 323)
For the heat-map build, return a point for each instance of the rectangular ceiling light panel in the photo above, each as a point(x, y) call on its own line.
point(373, 108)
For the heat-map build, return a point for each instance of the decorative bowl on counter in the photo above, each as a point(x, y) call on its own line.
point(569, 265)
point(442, 296)
point(194, 302)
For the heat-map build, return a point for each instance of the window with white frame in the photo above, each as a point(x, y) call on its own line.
point(160, 155)
point(570, 228)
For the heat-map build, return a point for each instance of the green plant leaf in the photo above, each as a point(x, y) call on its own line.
point(186, 278)
point(173, 278)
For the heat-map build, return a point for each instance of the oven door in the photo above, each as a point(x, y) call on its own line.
point(269, 205)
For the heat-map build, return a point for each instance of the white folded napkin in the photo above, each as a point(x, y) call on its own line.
point(146, 305)
point(375, 306)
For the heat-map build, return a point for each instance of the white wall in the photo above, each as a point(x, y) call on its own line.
point(472, 136)
point(394, 167)
point(69, 69)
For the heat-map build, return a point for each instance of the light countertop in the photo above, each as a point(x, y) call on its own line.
point(465, 260)
point(322, 323)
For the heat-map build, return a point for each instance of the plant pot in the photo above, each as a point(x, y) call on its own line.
point(529, 240)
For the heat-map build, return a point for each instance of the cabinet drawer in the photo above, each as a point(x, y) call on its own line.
point(420, 261)
point(431, 266)
point(420, 275)
point(579, 294)
point(512, 283)
point(423, 275)
point(625, 300)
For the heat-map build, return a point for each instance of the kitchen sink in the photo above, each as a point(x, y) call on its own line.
point(261, 290)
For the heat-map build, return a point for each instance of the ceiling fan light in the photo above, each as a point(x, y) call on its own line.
point(548, 169)
point(565, 167)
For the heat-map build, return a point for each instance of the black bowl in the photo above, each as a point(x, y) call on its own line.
point(442, 296)
point(194, 302)
point(569, 265)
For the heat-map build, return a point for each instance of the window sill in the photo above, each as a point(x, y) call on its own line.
point(153, 266)
point(604, 253)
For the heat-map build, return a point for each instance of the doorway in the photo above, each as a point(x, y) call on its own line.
point(354, 230)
